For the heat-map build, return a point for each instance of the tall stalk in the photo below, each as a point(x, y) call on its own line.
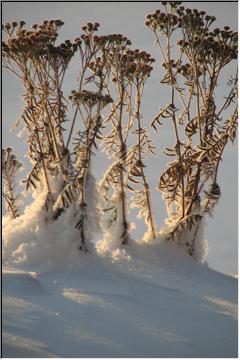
point(200, 53)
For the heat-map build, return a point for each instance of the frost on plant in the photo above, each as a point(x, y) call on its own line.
point(10, 168)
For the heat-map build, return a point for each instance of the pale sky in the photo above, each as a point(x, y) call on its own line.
point(128, 19)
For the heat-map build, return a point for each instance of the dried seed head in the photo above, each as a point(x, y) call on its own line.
point(78, 41)
point(96, 26)
point(180, 42)
point(7, 26)
point(59, 22)
point(90, 26)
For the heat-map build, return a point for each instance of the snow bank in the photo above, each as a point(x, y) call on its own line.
point(147, 300)
point(190, 240)
point(31, 240)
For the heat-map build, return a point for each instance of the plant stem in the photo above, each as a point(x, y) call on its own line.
point(10, 206)
point(178, 144)
point(122, 158)
point(43, 162)
point(146, 186)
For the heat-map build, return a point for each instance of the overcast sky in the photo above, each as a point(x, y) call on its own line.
point(128, 18)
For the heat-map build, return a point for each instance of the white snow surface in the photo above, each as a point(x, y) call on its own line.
point(141, 300)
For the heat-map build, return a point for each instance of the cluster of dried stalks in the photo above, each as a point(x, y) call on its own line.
point(106, 108)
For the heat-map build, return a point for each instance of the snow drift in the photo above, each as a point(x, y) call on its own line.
point(31, 240)
point(142, 301)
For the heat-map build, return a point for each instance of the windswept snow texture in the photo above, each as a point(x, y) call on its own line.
point(148, 300)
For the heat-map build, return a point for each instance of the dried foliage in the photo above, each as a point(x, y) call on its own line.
point(200, 53)
point(10, 169)
point(63, 132)
point(141, 70)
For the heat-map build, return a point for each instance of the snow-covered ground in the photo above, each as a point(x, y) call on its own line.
point(148, 300)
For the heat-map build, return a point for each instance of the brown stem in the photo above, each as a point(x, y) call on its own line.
point(54, 139)
point(198, 111)
point(178, 145)
point(72, 126)
point(122, 158)
point(43, 162)
point(194, 236)
point(59, 100)
point(10, 206)
point(219, 158)
point(146, 186)
point(83, 205)
point(194, 192)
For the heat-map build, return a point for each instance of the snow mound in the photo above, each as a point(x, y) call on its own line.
point(30, 240)
point(142, 301)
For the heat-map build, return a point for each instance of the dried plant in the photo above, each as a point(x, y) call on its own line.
point(138, 73)
point(10, 169)
point(106, 108)
point(34, 58)
point(32, 55)
point(88, 105)
point(118, 60)
point(129, 71)
point(192, 77)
